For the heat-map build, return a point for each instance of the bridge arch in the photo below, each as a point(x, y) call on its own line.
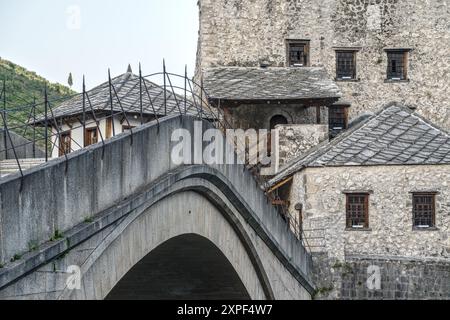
point(119, 202)
point(185, 267)
point(183, 214)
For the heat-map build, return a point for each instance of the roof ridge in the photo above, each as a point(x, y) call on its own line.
point(128, 77)
point(347, 134)
point(380, 112)
point(106, 83)
point(135, 85)
point(431, 124)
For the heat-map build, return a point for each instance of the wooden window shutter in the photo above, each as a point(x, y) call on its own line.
point(109, 128)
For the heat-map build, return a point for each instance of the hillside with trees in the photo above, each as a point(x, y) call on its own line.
point(22, 87)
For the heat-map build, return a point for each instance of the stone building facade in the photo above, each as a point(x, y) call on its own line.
point(412, 263)
point(390, 166)
point(248, 33)
point(322, 191)
point(391, 159)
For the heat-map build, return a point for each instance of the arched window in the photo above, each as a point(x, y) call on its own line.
point(277, 120)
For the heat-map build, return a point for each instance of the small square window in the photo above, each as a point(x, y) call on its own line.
point(90, 136)
point(357, 211)
point(346, 65)
point(298, 53)
point(397, 65)
point(65, 143)
point(337, 120)
point(424, 210)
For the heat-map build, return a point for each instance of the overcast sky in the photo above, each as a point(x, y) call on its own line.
point(55, 37)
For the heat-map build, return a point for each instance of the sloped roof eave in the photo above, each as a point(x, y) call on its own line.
point(393, 116)
point(278, 83)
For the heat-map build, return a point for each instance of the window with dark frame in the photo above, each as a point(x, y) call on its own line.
point(90, 136)
point(65, 143)
point(298, 53)
point(424, 210)
point(397, 65)
point(357, 210)
point(346, 64)
point(337, 119)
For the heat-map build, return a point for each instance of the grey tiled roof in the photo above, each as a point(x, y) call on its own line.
point(128, 90)
point(394, 136)
point(238, 83)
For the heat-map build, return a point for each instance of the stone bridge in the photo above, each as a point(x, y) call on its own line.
point(120, 220)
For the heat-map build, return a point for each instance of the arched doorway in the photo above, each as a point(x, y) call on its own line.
point(274, 121)
point(188, 267)
point(277, 120)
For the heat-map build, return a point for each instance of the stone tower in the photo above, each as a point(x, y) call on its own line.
point(377, 51)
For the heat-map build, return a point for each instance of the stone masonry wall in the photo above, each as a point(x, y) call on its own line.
point(321, 191)
point(246, 32)
point(293, 140)
point(412, 264)
point(398, 278)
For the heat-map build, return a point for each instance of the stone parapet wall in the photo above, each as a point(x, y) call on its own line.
point(23, 148)
point(375, 278)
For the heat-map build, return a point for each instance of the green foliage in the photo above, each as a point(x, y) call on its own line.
point(89, 220)
point(346, 268)
point(322, 292)
point(16, 257)
point(33, 246)
point(22, 87)
point(57, 236)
